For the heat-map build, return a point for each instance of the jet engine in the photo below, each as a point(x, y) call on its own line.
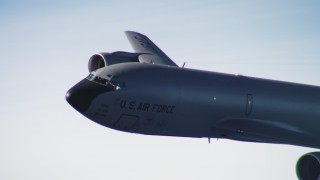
point(308, 166)
point(103, 59)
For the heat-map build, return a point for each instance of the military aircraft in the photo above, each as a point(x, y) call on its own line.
point(145, 92)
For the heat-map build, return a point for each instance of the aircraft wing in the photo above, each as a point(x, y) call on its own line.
point(150, 52)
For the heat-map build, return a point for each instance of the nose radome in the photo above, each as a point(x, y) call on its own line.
point(82, 94)
point(76, 97)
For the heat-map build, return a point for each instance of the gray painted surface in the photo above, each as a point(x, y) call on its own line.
point(149, 94)
point(205, 104)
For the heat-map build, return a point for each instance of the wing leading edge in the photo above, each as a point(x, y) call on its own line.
point(150, 52)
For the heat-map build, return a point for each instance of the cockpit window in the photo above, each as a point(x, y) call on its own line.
point(111, 84)
point(90, 77)
point(101, 80)
point(98, 79)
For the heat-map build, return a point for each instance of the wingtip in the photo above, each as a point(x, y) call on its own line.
point(129, 32)
point(133, 32)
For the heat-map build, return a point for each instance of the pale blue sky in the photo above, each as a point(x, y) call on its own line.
point(45, 47)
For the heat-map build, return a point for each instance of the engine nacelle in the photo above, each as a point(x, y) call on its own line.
point(103, 59)
point(308, 166)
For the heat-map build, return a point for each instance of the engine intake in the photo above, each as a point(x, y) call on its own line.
point(308, 166)
point(103, 59)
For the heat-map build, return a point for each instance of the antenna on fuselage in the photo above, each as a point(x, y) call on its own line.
point(183, 64)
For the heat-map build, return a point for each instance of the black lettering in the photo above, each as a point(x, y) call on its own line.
point(164, 108)
point(172, 109)
point(168, 109)
point(123, 104)
point(154, 107)
point(146, 107)
point(140, 107)
point(131, 105)
point(145, 44)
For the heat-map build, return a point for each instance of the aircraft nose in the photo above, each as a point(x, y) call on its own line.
point(82, 94)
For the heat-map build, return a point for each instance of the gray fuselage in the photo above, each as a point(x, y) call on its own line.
point(171, 101)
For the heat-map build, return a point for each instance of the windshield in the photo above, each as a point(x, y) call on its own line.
point(98, 79)
point(111, 84)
